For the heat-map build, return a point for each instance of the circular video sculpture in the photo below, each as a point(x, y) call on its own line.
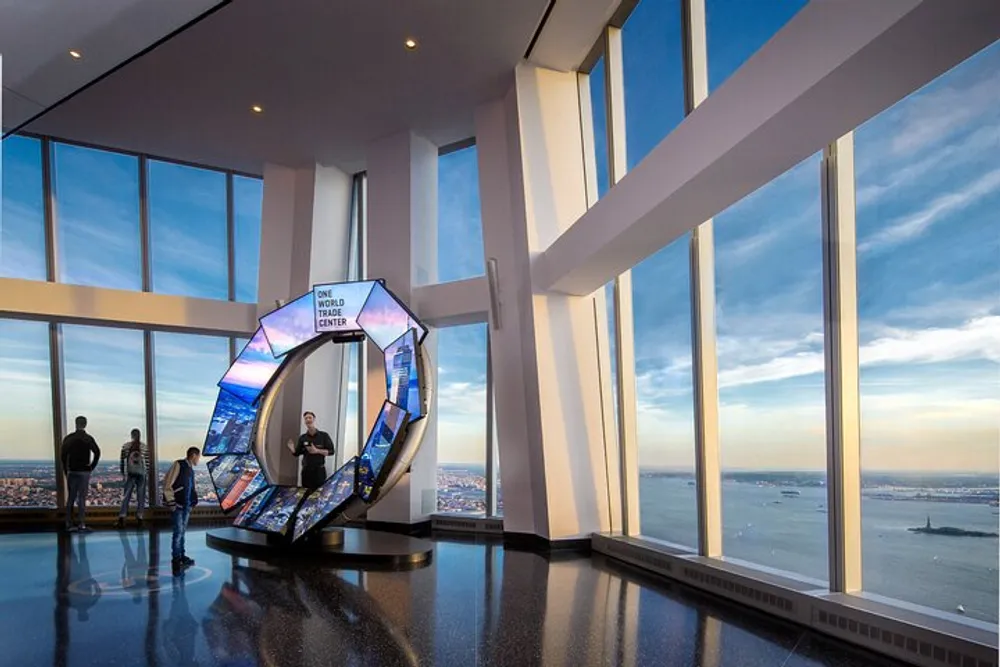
point(329, 313)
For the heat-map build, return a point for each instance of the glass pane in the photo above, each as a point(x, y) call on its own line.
point(187, 368)
point(772, 400)
point(661, 301)
point(248, 202)
point(461, 428)
point(460, 226)
point(928, 185)
point(599, 111)
point(27, 469)
point(187, 228)
point(22, 233)
point(349, 438)
point(105, 383)
point(653, 66)
point(736, 29)
point(97, 217)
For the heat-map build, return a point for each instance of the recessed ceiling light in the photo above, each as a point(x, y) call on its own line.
point(76, 54)
point(257, 108)
point(410, 44)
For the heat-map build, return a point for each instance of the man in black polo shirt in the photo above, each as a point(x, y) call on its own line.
point(314, 446)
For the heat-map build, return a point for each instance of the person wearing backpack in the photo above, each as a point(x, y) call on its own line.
point(134, 464)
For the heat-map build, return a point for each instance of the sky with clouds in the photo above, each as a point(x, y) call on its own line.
point(928, 192)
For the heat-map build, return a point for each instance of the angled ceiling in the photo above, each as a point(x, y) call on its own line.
point(332, 76)
point(36, 38)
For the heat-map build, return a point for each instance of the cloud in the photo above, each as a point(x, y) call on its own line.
point(915, 224)
point(979, 338)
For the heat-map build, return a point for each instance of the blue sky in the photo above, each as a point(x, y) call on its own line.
point(929, 239)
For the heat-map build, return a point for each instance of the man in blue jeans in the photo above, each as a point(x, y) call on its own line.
point(79, 456)
point(180, 496)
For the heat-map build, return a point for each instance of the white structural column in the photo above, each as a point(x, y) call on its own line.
point(305, 231)
point(843, 411)
point(544, 348)
point(703, 353)
point(402, 249)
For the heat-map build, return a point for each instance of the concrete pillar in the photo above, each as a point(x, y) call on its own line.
point(544, 347)
point(402, 249)
point(305, 232)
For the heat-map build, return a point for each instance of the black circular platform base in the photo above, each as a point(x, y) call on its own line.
point(352, 547)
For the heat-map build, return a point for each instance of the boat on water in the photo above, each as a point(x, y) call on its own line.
point(949, 531)
point(791, 494)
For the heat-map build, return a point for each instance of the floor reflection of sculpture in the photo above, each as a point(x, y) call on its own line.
point(265, 615)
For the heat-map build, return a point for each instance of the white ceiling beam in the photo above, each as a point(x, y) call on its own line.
point(570, 31)
point(836, 64)
point(452, 303)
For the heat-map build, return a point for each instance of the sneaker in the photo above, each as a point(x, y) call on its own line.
point(187, 562)
point(84, 529)
point(71, 529)
point(176, 566)
point(120, 523)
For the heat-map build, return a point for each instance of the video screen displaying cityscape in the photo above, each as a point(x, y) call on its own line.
point(384, 434)
point(275, 515)
point(402, 374)
point(327, 498)
point(231, 428)
point(236, 478)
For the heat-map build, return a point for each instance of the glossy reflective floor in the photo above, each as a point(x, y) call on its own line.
point(108, 598)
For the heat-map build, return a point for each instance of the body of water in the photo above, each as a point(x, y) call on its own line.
point(762, 526)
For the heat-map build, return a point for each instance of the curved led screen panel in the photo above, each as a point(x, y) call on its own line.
point(276, 515)
point(402, 374)
point(231, 429)
point(253, 508)
point(384, 318)
point(380, 448)
point(337, 305)
point(252, 370)
point(327, 499)
point(237, 477)
point(290, 326)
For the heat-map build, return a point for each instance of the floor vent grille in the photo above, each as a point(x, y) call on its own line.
point(492, 526)
point(639, 556)
point(913, 646)
point(749, 593)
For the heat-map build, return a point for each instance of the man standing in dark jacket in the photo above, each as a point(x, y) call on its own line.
point(180, 496)
point(77, 465)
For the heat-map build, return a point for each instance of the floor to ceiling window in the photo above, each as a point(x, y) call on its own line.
point(97, 217)
point(22, 235)
point(461, 418)
point(772, 400)
point(653, 74)
point(736, 29)
point(928, 193)
point(460, 225)
point(27, 471)
point(105, 382)
point(187, 370)
point(599, 111)
point(188, 230)
point(248, 202)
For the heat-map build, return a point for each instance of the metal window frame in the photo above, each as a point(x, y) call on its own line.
point(628, 451)
point(841, 351)
point(57, 371)
point(704, 358)
point(491, 449)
